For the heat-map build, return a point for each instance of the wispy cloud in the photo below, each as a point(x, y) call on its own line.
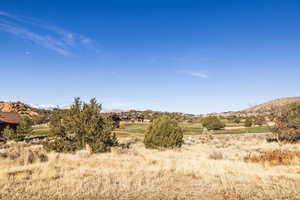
point(43, 34)
point(198, 74)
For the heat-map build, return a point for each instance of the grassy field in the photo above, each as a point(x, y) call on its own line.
point(138, 130)
point(189, 129)
point(40, 131)
point(225, 167)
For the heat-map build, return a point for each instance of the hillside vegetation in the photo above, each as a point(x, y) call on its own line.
point(272, 105)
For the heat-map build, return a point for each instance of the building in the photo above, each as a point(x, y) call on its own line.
point(10, 119)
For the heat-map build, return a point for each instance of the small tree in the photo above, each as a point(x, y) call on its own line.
point(10, 134)
point(212, 123)
point(248, 122)
point(23, 129)
point(81, 125)
point(164, 132)
point(287, 123)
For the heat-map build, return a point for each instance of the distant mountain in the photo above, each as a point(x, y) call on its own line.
point(48, 106)
point(111, 110)
point(272, 105)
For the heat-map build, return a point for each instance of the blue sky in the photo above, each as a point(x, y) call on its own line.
point(187, 56)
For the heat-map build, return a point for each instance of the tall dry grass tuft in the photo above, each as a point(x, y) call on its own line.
point(23, 155)
point(275, 157)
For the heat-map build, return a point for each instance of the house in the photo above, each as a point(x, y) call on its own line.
point(10, 119)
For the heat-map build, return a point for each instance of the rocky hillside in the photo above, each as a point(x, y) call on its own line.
point(271, 105)
point(18, 107)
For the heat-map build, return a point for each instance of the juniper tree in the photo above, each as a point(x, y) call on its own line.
point(164, 132)
point(81, 125)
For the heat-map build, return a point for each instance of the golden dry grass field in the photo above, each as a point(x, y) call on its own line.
point(232, 167)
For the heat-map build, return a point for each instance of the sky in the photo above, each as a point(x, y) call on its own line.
point(188, 56)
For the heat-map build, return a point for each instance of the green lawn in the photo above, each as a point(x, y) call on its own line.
point(189, 129)
point(39, 131)
point(138, 130)
point(134, 128)
point(192, 128)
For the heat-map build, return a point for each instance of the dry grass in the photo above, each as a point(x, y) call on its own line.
point(275, 157)
point(23, 155)
point(139, 173)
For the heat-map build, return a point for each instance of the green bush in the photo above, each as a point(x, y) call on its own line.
point(287, 123)
point(10, 134)
point(248, 122)
point(212, 123)
point(18, 134)
point(164, 132)
point(81, 125)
